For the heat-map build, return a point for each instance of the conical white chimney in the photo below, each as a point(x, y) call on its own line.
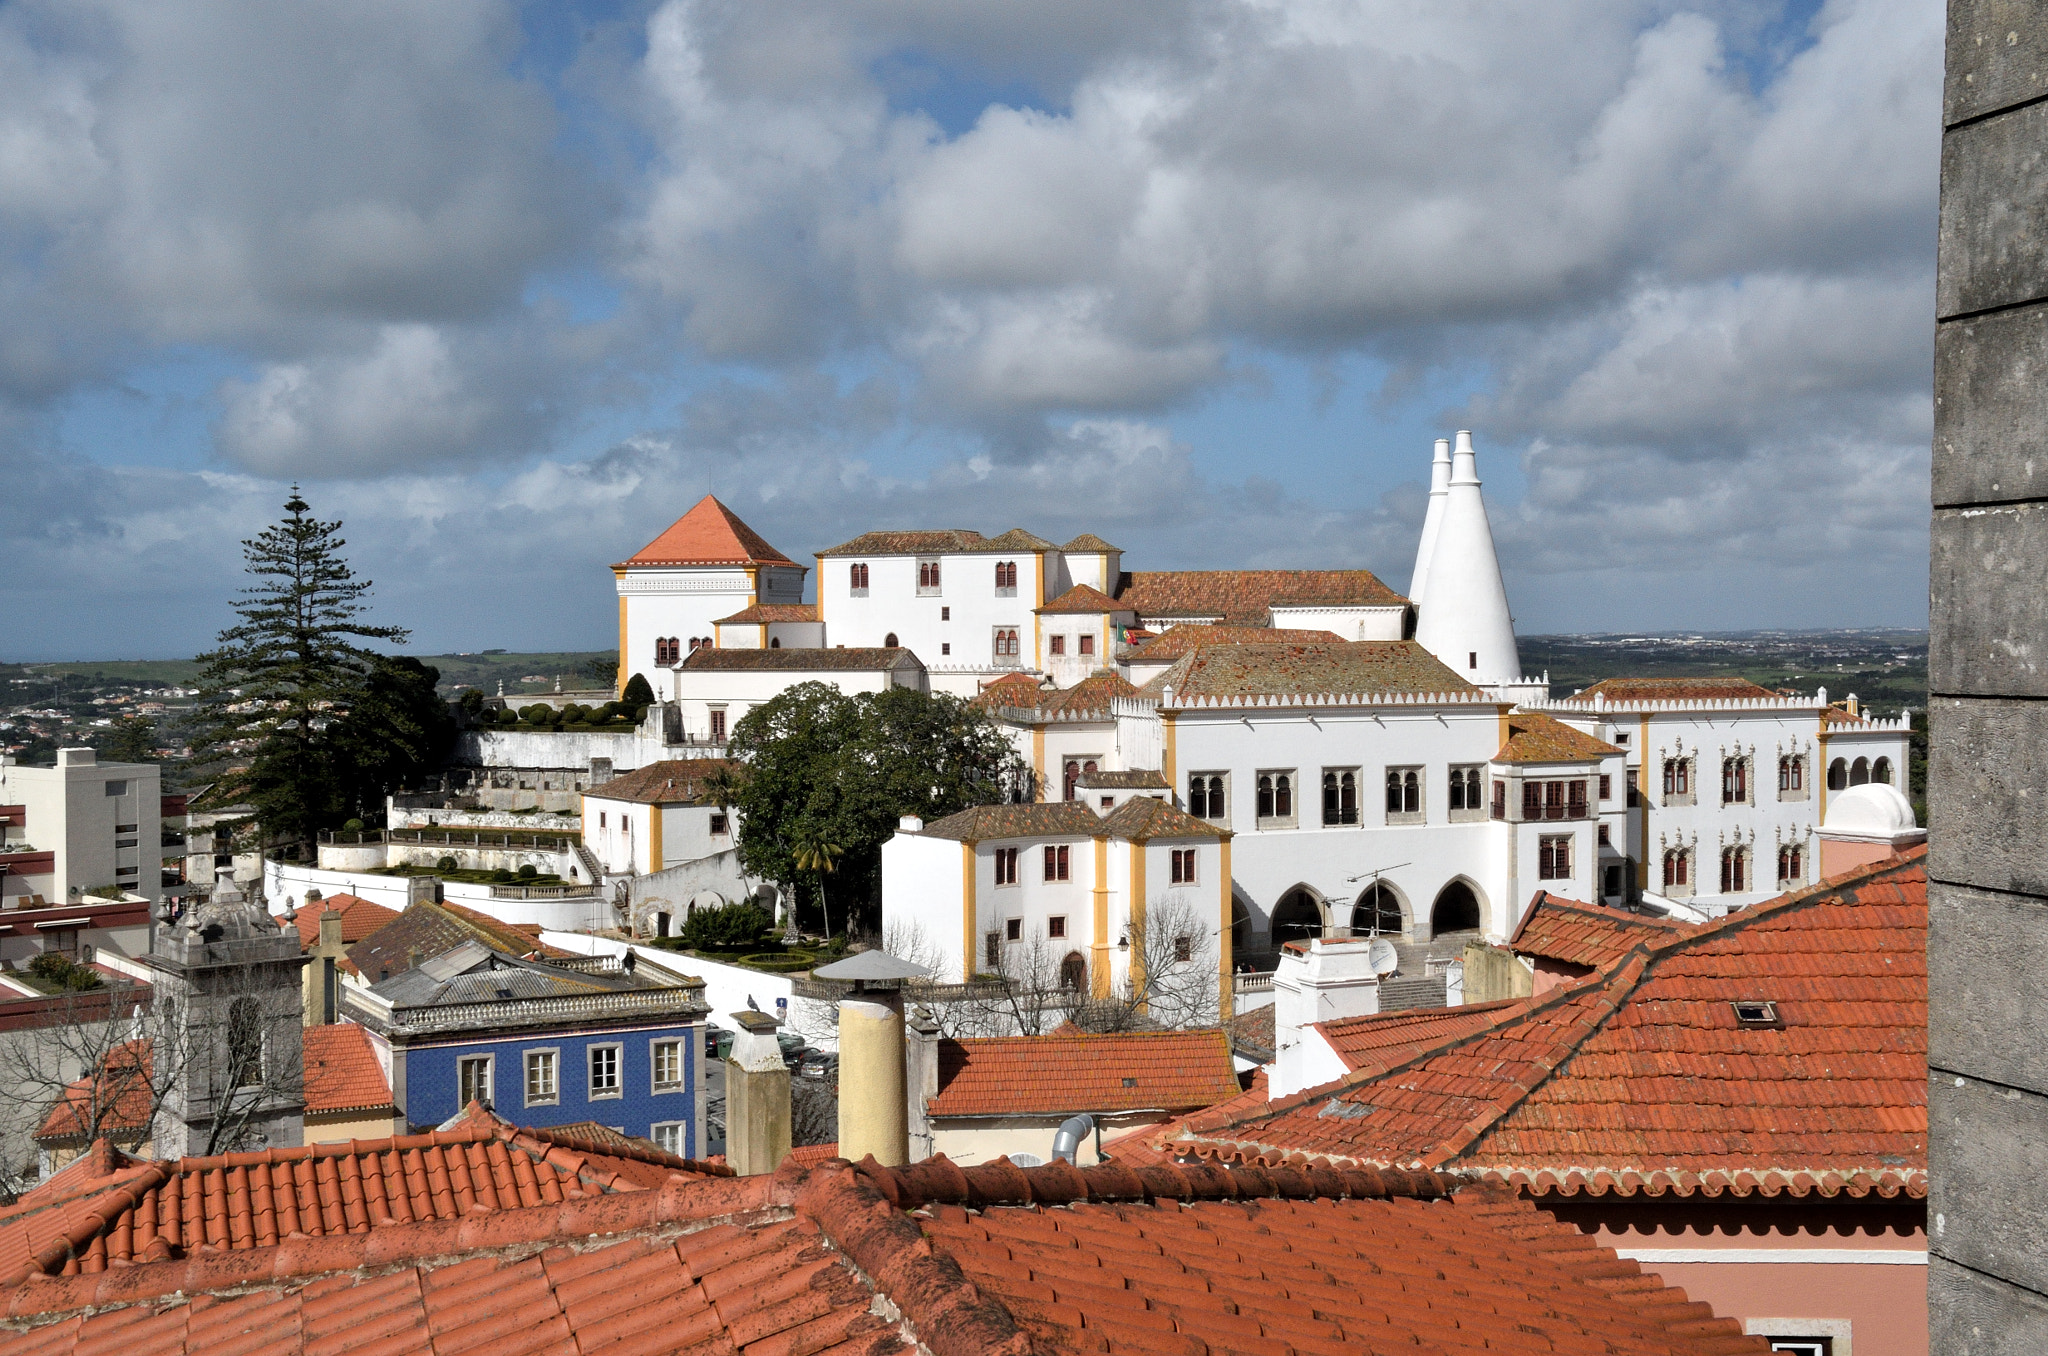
point(1439, 487)
point(1464, 618)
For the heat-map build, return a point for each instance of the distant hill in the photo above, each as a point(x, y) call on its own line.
point(483, 671)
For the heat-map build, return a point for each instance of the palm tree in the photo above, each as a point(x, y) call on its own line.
point(821, 860)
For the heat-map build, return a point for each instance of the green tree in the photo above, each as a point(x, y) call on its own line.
point(131, 739)
point(396, 732)
point(286, 673)
point(639, 692)
point(817, 766)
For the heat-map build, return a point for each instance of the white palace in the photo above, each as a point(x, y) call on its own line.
point(1314, 752)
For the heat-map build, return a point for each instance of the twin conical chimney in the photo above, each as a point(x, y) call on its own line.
point(1462, 600)
point(1439, 488)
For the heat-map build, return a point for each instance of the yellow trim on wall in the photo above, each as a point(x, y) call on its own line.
point(968, 911)
point(1099, 980)
point(1137, 908)
point(654, 838)
point(753, 586)
point(1167, 757)
point(1643, 801)
point(619, 685)
point(764, 635)
point(1225, 997)
point(1038, 758)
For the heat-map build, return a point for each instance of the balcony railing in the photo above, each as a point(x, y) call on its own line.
point(521, 839)
point(1252, 983)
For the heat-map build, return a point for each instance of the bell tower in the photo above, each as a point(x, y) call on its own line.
point(227, 1038)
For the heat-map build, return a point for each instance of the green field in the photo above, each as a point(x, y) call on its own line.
point(484, 671)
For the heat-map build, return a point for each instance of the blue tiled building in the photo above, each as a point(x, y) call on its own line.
point(618, 1041)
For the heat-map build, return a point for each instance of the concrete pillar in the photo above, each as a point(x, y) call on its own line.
point(756, 1098)
point(873, 1113)
point(920, 1079)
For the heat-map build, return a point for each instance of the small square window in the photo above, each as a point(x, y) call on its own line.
point(117, 788)
point(542, 1089)
point(668, 1065)
point(1087, 645)
point(1057, 645)
point(1109, 802)
point(667, 1137)
point(945, 614)
point(945, 647)
point(1056, 927)
point(1013, 929)
point(1183, 948)
point(604, 1071)
point(720, 826)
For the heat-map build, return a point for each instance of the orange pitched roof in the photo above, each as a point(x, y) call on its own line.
point(111, 1208)
point(1536, 738)
point(1642, 1078)
point(342, 1072)
point(771, 612)
point(709, 534)
point(1565, 930)
point(671, 781)
point(1083, 600)
point(976, 1261)
point(1192, 636)
point(359, 918)
point(1068, 1073)
point(1248, 597)
point(1623, 691)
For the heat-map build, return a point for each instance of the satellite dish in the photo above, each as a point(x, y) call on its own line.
point(1383, 957)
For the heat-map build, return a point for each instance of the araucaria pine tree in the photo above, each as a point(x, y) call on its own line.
point(287, 673)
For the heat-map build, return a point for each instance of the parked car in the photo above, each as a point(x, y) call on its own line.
point(819, 1064)
point(793, 1047)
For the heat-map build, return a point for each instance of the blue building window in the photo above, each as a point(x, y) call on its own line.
point(473, 1077)
point(604, 1072)
point(543, 1085)
point(669, 1135)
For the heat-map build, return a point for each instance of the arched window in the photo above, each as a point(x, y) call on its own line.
point(1006, 578)
point(1791, 860)
point(661, 652)
point(1377, 910)
point(1838, 775)
point(1734, 780)
point(889, 641)
point(1411, 793)
point(1340, 798)
point(245, 1044)
point(1455, 910)
point(1859, 772)
point(1298, 916)
point(1675, 872)
point(1074, 973)
point(1073, 775)
point(1265, 797)
point(1283, 796)
point(775, 642)
point(1678, 776)
point(1734, 870)
point(1881, 771)
point(857, 578)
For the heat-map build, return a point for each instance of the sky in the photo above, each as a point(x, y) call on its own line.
point(507, 287)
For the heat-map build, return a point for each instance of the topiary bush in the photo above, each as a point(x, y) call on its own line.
point(507, 716)
point(352, 826)
point(728, 927)
point(528, 871)
point(539, 713)
point(445, 864)
point(638, 692)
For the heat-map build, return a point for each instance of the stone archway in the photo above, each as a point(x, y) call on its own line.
point(1456, 910)
point(1300, 915)
point(1379, 909)
point(1074, 973)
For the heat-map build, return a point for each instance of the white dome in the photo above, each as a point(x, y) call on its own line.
point(1875, 808)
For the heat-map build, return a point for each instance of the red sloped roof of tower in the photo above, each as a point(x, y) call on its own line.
point(709, 534)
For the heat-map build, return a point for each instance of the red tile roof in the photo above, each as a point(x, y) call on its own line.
point(1385, 1039)
point(1192, 636)
point(1308, 669)
point(938, 542)
point(342, 1072)
point(1083, 600)
point(771, 612)
point(792, 659)
point(110, 1208)
point(359, 918)
point(670, 781)
point(1088, 699)
point(119, 1101)
point(1536, 738)
point(709, 534)
point(1641, 1077)
point(1585, 934)
point(1065, 1074)
point(1088, 541)
point(426, 930)
point(995, 1261)
point(1248, 597)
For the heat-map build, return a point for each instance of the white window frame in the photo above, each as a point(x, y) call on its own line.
point(661, 1089)
point(1418, 815)
point(490, 1063)
point(681, 1130)
point(554, 1054)
point(1471, 813)
point(618, 1087)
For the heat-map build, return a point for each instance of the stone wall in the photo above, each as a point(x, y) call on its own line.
point(1988, 681)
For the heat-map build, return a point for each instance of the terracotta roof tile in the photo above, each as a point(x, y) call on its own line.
point(1623, 691)
point(1536, 738)
point(1642, 1078)
point(938, 542)
point(1083, 600)
point(1141, 818)
point(1247, 597)
point(1072, 1073)
point(359, 918)
point(1088, 699)
point(342, 1072)
point(1308, 669)
point(1191, 636)
point(671, 781)
point(790, 659)
point(997, 1261)
point(427, 929)
point(771, 612)
point(981, 823)
point(1586, 934)
point(1140, 779)
point(1088, 541)
point(709, 534)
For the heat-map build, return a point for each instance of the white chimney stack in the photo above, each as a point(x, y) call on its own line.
point(1464, 620)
